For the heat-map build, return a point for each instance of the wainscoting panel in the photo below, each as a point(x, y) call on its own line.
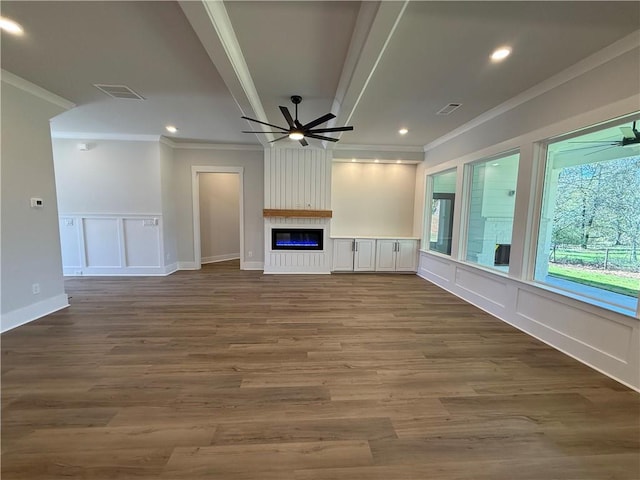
point(70, 241)
point(118, 244)
point(102, 244)
point(605, 340)
point(141, 242)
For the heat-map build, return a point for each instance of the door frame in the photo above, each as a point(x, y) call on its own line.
point(195, 189)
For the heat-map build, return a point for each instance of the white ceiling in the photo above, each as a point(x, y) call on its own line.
point(377, 65)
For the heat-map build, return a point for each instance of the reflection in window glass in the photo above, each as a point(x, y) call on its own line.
point(589, 236)
point(491, 208)
point(441, 212)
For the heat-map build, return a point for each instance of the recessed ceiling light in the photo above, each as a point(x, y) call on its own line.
point(403, 131)
point(398, 161)
point(171, 129)
point(10, 26)
point(495, 164)
point(500, 54)
point(353, 159)
point(376, 160)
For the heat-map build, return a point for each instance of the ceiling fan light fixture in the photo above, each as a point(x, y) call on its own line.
point(500, 54)
point(296, 136)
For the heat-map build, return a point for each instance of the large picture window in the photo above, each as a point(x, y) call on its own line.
point(589, 232)
point(440, 226)
point(491, 207)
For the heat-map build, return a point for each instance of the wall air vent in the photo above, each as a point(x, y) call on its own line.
point(446, 110)
point(118, 91)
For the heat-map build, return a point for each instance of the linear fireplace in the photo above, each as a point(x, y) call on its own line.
point(297, 239)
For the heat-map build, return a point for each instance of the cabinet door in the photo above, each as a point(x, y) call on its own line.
point(406, 255)
point(364, 258)
point(343, 255)
point(386, 256)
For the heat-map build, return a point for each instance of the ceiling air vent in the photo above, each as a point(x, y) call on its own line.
point(118, 91)
point(446, 110)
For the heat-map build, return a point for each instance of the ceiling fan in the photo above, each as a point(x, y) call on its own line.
point(630, 136)
point(298, 131)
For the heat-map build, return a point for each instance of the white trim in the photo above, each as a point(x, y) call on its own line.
point(26, 86)
point(379, 148)
point(222, 24)
point(110, 215)
point(220, 258)
point(188, 266)
point(195, 189)
point(115, 271)
point(171, 268)
point(105, 136)
point(210, 146)
point(253, 266)
point(599, 58)
point(33, 312)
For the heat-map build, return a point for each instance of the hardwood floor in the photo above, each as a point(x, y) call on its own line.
point(225, 374)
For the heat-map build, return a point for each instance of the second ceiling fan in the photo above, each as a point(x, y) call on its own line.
point(298, 131)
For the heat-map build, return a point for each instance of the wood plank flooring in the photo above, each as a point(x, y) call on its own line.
point(225, 374)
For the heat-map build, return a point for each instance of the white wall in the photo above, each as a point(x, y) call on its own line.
point(219, 216)
point(111, 200)
point(30, 244)
point(112, 177)
point(168, 200)
point(606, 340)
point(252, 161)
point(372, 199)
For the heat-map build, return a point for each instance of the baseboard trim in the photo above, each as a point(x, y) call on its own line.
point(188, 266)
point(32, 312)
point(252, 266)
point(220, 258)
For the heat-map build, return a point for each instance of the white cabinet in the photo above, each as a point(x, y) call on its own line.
point(396, 255)
point(354, 255)
point(364, 256)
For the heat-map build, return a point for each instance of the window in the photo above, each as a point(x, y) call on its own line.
point(589, 232)
point(441, 211)
point(491, 207)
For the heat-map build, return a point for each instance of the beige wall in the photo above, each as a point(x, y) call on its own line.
point(372, 199)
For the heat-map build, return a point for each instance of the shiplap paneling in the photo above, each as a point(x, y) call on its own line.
point(297, 178)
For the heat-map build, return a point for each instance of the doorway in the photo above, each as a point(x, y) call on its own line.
point(218, 225)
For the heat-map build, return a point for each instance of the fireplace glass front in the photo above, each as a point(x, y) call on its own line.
point(297, 238)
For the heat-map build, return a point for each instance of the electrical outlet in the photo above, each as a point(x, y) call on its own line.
point(250, 254)
point(35, 288)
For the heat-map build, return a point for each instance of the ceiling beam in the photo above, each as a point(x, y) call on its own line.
point(212, 25)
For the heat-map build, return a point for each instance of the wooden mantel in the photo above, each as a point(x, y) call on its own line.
point(271, 212)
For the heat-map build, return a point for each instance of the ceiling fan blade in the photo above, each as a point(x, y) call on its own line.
point(287, 116)
point(601, 142)
point(335, 129)
point(321, 137)
point(265, 123)
point(318, 121)
point(303, 142)
point(285, 136)
point(598, 151)
point(257, 131)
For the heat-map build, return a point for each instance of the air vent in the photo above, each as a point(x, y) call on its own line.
point(448, 109)
point(118, 91)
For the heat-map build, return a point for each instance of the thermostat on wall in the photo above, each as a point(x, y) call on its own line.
point(37, 203)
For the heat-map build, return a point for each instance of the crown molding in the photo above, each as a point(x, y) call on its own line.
point(380, 148)
point(33, 89)
point(210, 146)
point(599, 58)
point(105, 136)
